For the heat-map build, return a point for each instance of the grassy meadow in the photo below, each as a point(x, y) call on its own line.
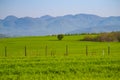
point(46, 60)
point(36, 46)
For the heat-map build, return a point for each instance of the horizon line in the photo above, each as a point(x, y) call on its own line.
point(60, 15)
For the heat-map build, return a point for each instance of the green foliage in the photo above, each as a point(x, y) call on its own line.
point(60, 68)
point(60, 36)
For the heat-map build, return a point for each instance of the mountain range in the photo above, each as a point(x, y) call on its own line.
point(48, 25)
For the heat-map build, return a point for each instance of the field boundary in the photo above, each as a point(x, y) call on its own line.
point(48, 51)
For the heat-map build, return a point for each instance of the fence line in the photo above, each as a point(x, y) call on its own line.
point(86, 50)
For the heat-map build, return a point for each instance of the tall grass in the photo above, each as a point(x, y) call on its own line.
point(60, 68)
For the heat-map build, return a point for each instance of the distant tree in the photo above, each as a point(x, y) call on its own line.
point(3, 36)
point(60, 36)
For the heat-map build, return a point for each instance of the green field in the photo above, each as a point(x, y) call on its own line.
point(102, 61)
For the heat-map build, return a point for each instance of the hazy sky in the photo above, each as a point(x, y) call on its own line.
point(37, 8)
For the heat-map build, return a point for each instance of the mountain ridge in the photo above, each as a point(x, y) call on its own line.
point(48, 25)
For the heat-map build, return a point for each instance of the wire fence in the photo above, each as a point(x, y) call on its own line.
point(67, 50)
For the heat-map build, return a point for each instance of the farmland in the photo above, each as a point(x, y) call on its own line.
point(45, 59)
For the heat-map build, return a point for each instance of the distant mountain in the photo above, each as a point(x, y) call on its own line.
point(107, 24)
point(47, 25)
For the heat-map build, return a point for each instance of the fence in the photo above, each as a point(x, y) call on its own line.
point(67, 50)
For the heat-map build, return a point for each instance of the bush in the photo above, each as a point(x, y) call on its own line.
point(104, 37)
point(60, 36)
point(88, 38)
point(117, 35)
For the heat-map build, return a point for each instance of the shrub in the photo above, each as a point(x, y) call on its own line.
point(117, 35)
point(88, 38)
point(60, 36)
point(104, 37)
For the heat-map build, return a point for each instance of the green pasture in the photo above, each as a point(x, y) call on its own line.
point(36, 46)
point(101, 63)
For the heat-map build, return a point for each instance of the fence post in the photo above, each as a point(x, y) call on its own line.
point(108, 50)
point(66, 50)
point(103, 52)
point(52, 52)
point(46, 49)
point(5, 51)
point(86, 50)
point(25, 51)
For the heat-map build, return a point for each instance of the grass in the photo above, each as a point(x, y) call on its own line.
point(98, 65)
point(60, 68)
point(36, 46)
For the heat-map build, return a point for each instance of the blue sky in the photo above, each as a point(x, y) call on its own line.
point(38, 8)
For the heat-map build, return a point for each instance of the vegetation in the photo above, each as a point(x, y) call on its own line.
point(36, 46)
point(98, 65)
point(60, 68)
point(3, 36)
point(104, 37)
point(60, 36)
